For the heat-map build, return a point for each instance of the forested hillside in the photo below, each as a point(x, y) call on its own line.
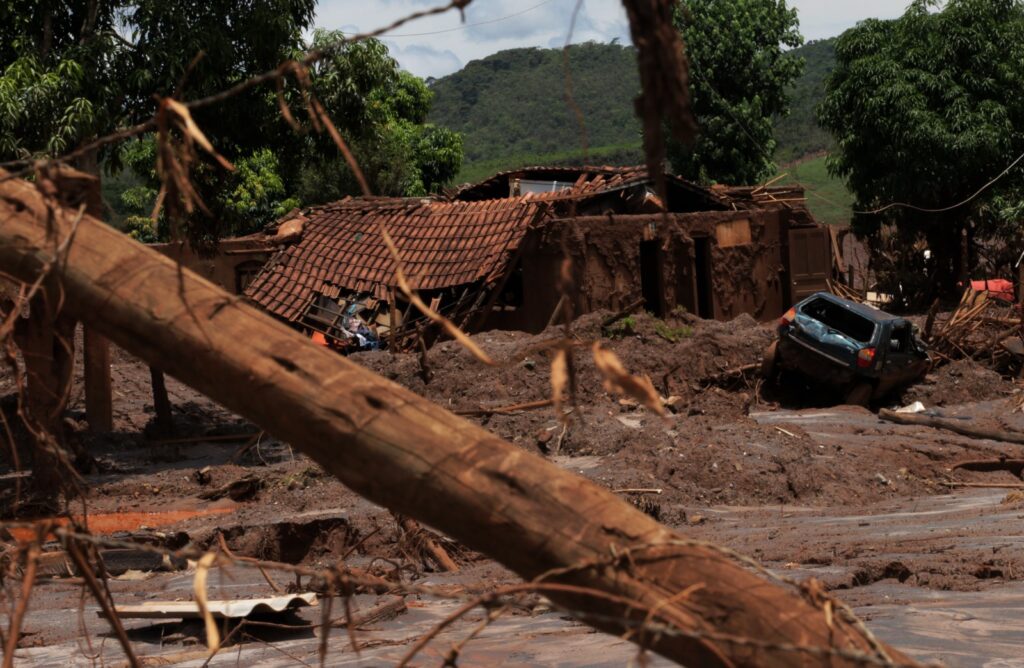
point(511, 107)
point(798, 134)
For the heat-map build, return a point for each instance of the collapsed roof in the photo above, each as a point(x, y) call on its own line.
point(441, 244)
point(337, 268)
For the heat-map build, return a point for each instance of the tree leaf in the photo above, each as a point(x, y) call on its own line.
point(619, 381)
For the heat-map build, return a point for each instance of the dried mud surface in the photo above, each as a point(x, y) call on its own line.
point(809, 488)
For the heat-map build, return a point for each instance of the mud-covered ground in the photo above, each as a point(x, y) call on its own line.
point(782, 474)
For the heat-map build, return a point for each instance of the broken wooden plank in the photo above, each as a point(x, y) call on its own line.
point(597, 555)
point(1014, 466)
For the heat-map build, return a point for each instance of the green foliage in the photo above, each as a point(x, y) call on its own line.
point(256, 194)
point(798, 134)
point(382, 111)
point(511, 106)
point(43, 108)
point(75, 69)
point(438, 155)
point(740, 77)
point(925, 109)
point(670, 333)
point(141, 229)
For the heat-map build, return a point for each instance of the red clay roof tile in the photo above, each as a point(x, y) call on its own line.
point(442, 244)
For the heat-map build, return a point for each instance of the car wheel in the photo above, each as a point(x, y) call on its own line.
point(770, 360)
point(860, 395)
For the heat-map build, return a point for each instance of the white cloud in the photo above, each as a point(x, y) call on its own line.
point(425, 61)
point(439, 45)
point(827, 18)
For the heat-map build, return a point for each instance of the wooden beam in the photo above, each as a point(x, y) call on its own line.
point(953, 425)
point(403, 452)
point(99, 400)
point(161, 403)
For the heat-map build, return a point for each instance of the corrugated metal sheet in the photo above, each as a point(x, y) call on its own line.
point(218, 609)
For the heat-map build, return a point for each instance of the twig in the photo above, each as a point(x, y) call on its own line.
point(638, 490)
point(28, 579)
point(615, 317)
point(75, 552)
point(543, 403)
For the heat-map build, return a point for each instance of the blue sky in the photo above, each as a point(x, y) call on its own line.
point(494, 25)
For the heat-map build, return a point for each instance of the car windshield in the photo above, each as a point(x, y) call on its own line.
point(842, 320)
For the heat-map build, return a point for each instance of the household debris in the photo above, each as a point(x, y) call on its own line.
point(980, 328)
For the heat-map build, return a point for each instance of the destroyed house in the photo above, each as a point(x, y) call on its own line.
point(490, 255)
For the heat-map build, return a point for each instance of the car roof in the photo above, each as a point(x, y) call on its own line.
point(869, 312)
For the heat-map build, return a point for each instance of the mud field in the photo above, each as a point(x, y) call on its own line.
point(808, 488)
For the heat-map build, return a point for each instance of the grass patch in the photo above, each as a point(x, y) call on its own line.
point(672, 334)
point(827, 197)
point(621, 328)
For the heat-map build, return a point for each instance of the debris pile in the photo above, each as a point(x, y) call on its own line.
point(982, 328)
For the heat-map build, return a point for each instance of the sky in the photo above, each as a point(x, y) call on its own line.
point(494, 25)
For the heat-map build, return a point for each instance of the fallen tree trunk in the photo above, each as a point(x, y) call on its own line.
point(1014, 466)
point(950, 424)
point(414, 457)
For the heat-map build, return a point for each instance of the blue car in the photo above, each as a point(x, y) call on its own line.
point(859, 350)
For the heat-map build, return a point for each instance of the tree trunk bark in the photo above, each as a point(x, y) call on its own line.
point(414, 457)
point(47, 342)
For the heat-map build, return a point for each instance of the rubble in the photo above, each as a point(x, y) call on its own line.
point(981, 328)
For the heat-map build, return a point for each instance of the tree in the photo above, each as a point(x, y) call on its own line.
point(382, 111)
point(740, 73)
point(77, 69)
point(925, 109)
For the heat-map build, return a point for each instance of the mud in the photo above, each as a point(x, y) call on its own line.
point(808, 488)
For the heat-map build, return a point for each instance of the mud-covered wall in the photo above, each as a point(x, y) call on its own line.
point(745, 277)
point(236, 261)
point(743, 270)
point(749, 278)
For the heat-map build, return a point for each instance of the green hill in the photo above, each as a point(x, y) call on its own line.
point(511, 107)
point(798, 134)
